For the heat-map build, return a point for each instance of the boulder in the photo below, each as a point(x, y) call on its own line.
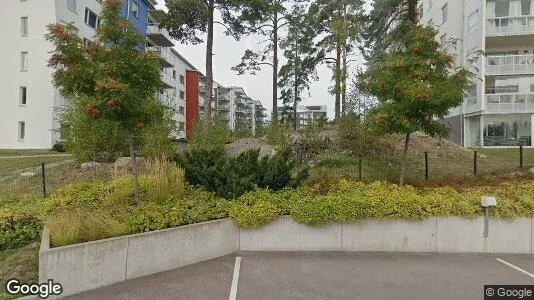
point(126, 163)
point(531, 171)
point(89, 165)
point(27, 174)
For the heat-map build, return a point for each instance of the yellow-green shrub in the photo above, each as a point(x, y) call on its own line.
point(254, 209)
point(20, 221)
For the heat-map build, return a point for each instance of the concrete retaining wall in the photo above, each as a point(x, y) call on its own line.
point(95, 264)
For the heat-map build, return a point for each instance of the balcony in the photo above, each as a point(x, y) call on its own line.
point(510, 65)
point(505, 26)
point(510, 102)
point(159, 36)
point(164, 54)
point(168, 81)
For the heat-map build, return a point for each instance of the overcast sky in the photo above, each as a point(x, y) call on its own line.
point(228, 53)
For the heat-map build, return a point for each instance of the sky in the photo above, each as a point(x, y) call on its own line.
point(228, 53)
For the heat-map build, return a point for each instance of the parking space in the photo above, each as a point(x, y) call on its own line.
point(281, 275)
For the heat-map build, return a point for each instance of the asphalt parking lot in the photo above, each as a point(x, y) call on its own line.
point(281, 275)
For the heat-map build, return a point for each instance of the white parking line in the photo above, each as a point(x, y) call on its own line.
point(514, 267)
point(235, 280)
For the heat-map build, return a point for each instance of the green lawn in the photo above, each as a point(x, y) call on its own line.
point(20, 263)
point(11, 164)
point(14, 152)
point(494, 162)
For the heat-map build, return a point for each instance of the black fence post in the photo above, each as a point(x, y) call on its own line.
point(44, 178)
point(360, 168)
point(475, 163)
point(426, 165)
point(521, 156)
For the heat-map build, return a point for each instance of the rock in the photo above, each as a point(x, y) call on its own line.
point(125, 163)
point(27, 174)
point(482, 156)
point(89, 165)
point(531, 171)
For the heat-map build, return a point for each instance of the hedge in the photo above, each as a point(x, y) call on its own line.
point(86, 212)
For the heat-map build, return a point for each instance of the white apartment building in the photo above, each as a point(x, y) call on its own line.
point(29, 101)
point(495, 39)
point(305, 114)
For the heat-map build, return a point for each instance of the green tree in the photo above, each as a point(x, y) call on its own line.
point(338, 24)
point(295, 75)
point(266, 18)
point(186, 20)
point(110, 83)
point(416, 82)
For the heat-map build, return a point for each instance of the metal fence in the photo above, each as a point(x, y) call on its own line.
point(46, 178)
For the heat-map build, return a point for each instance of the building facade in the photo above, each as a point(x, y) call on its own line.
point(305, 114)
point(29, 102)
point(494, 39)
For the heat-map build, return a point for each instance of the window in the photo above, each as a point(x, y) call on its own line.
point(181, 126)
point(91, 19)
point(181, 110)
point(502, 8)
point(174, 74)
point(23, 93)
point(525, 7)
point(24, 26)
point(182, 79)
point(444, 12)
point(71, 4)
point(420, 11)
point(134, 9)
point(22, 130)
point(24, 61)
point(182, 95)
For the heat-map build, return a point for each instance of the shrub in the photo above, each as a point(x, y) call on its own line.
point(254, 209)
point(278, 135)
point(210, 135)
point(60, 146)
point(232, 177)
point(359, 137)
point(20, 222)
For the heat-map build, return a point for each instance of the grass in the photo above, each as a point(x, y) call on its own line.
point(15, 152)
point(493, 163)
point(20, 263)
point(13, 164)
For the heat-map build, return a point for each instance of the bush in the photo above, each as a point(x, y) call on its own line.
point(359, 138)
point(232, 177)
point(278, 135)
point(59, 146)
point(210, 135)
point(20, 222)
point(254, 209)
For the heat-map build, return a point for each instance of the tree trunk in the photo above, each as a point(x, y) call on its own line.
point(337, 88)
point(134, 170)
point(275, 69)
point(403, 162)
point(412, 11)
point(296, 95)
point(344, 82)
point(209, 62)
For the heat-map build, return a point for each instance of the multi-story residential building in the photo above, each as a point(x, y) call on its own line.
point(29, 101)
point(305, 114)
point(495, 40)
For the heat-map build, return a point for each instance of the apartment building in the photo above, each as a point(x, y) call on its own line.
point(232, 105)
point(29, 102)
point(305, 114)
point(495, 40)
